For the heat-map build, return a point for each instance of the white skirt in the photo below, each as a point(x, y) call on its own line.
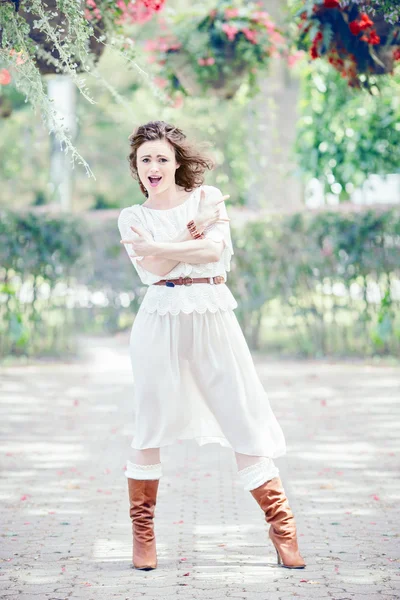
point(194, 378)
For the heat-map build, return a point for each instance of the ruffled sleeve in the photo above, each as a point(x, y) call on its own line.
point(129, 216)
point(220, 231)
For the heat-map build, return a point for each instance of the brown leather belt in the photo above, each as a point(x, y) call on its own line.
point(190, 280)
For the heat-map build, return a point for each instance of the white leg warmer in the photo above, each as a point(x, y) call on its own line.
point(255, 475)
point(143, 472)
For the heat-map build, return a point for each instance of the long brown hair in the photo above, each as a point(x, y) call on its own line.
point(192, 160)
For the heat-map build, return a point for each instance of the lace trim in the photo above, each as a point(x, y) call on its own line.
point(199, 298)
point(144, 467)
point(255, 475)
point(143, 472)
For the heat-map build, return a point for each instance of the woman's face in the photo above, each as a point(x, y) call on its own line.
point(156, 166)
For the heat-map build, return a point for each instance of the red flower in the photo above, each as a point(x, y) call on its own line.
point(365, 21)
point(374, 38)
point(314, 50)
point(396, 54)
point(355, 27)
point(331, 4)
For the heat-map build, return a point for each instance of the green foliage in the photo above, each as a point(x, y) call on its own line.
point(343, 135)
point(310, 284)
point(57, 36)
point(319, 284)
point(37, 254)
point(59, 275)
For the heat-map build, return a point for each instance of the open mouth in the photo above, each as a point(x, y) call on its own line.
point(154, 181)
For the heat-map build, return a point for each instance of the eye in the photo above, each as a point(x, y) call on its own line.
point(164, 160)
point(144, 160)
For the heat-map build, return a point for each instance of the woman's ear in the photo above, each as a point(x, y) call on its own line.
point(177, 166)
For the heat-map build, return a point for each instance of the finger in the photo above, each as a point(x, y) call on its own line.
point(202, 194)
point(222, 199)
point(136, 230)
point(126, 242)
point(223, 220)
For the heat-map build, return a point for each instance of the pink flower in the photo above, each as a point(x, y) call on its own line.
point(150, 45)
point(202, 62)
point(294, 58)
point(138, 11)
point(277, 38)
point(210, 61)
point(231, 13)
point(154, 5)
point(250, 35)
point(5, 77)
point(230, 31)
point(20, 57)
point(260, 15)
point(264, 19)
point(179, 101)
point(160, 82)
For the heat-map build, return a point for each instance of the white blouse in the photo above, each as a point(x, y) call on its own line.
point(164, 226)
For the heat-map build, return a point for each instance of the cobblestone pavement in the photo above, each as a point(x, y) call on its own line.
point(65, 528)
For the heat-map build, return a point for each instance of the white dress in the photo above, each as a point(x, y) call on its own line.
point(194, 377)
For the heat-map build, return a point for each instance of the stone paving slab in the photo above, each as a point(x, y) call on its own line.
point(65, 532)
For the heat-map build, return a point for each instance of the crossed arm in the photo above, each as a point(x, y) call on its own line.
point(183, 248)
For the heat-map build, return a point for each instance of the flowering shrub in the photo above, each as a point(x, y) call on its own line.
point(355, 43)
point(122, 11)
point(220, 50)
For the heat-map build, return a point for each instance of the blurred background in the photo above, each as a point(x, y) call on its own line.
point(300, 103)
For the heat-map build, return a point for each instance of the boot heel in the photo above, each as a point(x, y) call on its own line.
point(271, 497)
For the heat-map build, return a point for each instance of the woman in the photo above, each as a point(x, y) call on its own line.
point(194, 375)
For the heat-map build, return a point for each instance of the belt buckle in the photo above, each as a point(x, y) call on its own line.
point(187, 281)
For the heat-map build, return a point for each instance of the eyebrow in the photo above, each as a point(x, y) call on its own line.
point(158, 156)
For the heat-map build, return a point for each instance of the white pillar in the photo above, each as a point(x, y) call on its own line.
point(63, 93)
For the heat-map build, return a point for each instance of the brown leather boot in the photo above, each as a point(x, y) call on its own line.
point(272, 499)
point(142, 501)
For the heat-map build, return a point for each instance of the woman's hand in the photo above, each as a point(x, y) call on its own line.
point(143, 245)
point(208, 212)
